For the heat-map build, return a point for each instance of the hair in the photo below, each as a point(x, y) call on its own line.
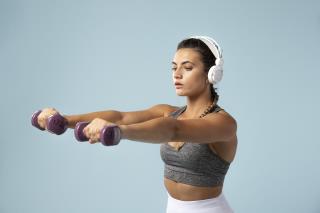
point(207, 58)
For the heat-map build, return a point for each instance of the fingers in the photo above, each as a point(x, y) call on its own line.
point(43, 116)
point(92, 134)
point(92, 141)
point(93, 129)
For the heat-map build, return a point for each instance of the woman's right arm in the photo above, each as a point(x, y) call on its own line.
point(123, 118)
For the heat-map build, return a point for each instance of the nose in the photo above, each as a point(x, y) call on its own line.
point(177, 74)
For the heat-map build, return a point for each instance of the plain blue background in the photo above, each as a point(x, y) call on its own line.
point(84, 56)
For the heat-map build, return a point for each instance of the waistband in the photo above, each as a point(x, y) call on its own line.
point(211, 205)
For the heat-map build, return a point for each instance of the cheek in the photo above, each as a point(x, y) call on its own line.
point(195, 79)
point(197, 84)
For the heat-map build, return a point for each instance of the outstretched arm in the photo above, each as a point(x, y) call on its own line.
point(119, 118)
point(215, 127)
point(110, 115)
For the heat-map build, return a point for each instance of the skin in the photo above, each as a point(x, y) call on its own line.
point(155, 126)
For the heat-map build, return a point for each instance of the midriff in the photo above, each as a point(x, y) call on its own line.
point(186, 192)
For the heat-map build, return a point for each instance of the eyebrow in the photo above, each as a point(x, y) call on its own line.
point(183, 62)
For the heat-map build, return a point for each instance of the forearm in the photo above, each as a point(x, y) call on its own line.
point(109, 115)
point(159, 130)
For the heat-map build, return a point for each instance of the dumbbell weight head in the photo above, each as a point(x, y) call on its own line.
point(110, 135)
point(78, 131)
point(34, 120)
point(57, 124)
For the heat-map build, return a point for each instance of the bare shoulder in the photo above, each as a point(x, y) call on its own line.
point(224, 120)
point(222, 114)
point(227, 151)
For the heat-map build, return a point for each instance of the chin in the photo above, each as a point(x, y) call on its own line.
point(180, 94)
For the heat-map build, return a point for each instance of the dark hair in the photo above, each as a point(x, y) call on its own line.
point(207, 57)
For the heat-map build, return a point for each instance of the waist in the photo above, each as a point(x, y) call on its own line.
point(186, 192)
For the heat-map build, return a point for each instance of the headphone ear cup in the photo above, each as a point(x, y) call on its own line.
point(216, 72)
point(213, 75)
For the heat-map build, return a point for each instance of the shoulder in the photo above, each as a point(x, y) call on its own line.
point(227, 150)
point(222, 116)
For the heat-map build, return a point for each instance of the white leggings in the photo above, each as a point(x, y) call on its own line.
point(212, 205)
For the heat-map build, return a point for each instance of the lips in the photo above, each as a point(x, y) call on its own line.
point(177, 83)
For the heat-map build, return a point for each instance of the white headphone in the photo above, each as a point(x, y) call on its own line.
point(216, 71)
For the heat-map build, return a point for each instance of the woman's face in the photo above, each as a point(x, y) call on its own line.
point(188, 70)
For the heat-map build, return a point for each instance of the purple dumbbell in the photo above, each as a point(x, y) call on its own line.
point(109, 135)
point(56, 123)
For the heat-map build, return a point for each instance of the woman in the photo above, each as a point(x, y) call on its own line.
point(198, 140)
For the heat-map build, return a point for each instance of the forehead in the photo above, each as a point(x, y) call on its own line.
point(186, 54)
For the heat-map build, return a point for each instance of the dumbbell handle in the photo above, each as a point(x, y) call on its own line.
point(55, 123)
point(109, 135)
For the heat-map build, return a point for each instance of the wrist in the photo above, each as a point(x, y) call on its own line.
point(123, 131)
point(71, 121)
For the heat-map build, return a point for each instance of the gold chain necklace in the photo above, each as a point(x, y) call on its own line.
point(209, 108)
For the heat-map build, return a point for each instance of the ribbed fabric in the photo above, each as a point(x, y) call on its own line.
point(194, 164)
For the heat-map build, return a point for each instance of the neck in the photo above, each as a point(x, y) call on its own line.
point(197, 105)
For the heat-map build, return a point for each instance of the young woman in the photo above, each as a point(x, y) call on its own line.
point(198, 140)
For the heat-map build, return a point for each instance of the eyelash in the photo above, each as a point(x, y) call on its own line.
point(188, 69)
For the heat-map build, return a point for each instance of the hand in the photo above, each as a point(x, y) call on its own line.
point(43, 116)
point(93, 129)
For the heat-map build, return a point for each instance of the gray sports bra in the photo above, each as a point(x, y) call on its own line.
point(194, 164)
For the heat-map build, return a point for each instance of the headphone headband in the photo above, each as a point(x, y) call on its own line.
point(212, 44)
